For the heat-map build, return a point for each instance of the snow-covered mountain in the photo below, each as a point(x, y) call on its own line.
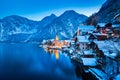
point(65, 25)
point(19, 29)
point(12, 26)
point(47, 20)
point(109, 10)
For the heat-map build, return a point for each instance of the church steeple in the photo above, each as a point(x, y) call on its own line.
point(56, 38)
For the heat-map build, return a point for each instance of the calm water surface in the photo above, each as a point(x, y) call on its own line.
point(28, 61)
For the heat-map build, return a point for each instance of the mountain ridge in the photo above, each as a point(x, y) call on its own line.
point(14, 27)
point(66, 24)
point(109, 10)
point(106, 13)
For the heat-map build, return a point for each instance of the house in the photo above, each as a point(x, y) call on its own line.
point(89, 59)
point(104, 28)
point(82, 42)
point(104, 25)
point(116, 30)
point(104, 31)
point(108, 59)
point(101, 25)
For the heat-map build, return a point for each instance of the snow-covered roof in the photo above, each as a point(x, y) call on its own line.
point(100, 75)
point(100, 34)
point(101, 24)
point(116, 25)
point(109, 48)
point(89, 61)
point(82, 39)
point(89, 52)
point(86, 27)
point(117, 77)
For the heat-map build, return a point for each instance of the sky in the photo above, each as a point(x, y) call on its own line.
point(38, 9)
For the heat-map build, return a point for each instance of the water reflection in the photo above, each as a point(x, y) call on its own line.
point(56, 54)
point(28, 60)
point(55, 46)
point(53, 51)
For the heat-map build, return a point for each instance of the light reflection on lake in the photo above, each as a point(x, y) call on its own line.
point(30, 61)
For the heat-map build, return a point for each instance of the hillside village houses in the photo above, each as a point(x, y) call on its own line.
point(98, 49)
point(108, 52)
point(107, 56)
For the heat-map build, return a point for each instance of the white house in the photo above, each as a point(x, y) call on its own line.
point(112, 59)
point(83, 42)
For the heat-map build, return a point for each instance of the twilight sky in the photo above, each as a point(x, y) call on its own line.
point(37, 9)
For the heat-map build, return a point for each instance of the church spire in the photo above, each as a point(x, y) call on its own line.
point(56, 38)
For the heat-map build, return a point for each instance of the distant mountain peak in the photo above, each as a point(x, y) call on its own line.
point(66, 24)
point(53, 15)
point(71, 13)
point(47, 20)
point(13, 16)
point(50, 16)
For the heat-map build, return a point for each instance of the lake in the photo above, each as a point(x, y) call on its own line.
point(28, 61)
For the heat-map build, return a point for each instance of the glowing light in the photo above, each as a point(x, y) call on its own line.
point(56, 45)
point(56, 54)
point(57, 38)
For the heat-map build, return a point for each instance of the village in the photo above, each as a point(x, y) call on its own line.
point(94, 50)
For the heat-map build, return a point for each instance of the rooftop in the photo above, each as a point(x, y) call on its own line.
point(82, 39)
point(89, 52)
point(86, 28)
point(89, 61)
point(101, 24)
point(100, 75)
point(109, 48)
